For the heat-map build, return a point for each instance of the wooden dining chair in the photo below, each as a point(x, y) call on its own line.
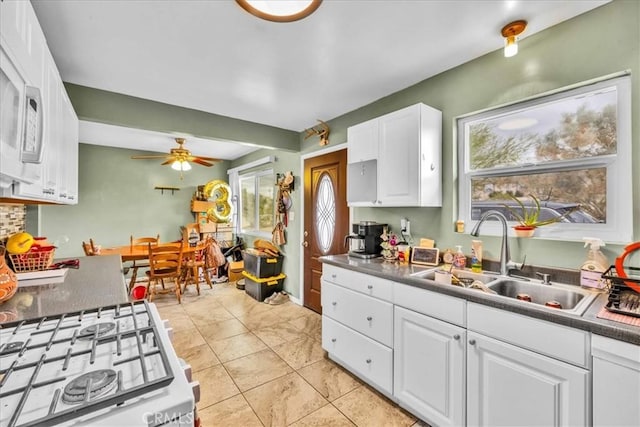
point(194, 266)
point(90, 249)
point(137, 264)
point(165, 262)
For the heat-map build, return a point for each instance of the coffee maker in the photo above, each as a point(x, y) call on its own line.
point(365, 240)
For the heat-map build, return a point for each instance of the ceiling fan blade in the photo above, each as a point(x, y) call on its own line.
point(162, 156)
point(201, 162)
point(166, 162)
point(211, 159)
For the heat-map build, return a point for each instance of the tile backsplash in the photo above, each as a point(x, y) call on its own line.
point(12, 219)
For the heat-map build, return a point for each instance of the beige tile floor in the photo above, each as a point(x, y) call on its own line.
point(263, 365)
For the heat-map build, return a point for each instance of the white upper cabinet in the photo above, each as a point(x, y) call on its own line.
point(23, 43)
point(407, 146)
point(363, 141)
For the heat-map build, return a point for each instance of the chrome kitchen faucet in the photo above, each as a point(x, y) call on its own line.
point(505, 262)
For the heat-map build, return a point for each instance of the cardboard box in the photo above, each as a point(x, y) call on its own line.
point(201, 206)
point(235, 271)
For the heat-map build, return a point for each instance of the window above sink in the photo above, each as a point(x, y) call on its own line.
point(570, 147)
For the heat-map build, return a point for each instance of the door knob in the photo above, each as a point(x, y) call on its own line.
point(305, 244)
point(306, 233)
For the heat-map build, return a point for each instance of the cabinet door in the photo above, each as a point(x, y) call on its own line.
point(362, 141)
point(68, 172)
point(429, 368)
point(509, 386)
point(616, 383)
point(399, 158)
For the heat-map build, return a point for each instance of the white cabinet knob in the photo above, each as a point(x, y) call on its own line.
point(472, 342)
point(456, 337)
point(334, 303)
point(369, 318)
point(369, 286)
point(368, 361)
point(333, 340)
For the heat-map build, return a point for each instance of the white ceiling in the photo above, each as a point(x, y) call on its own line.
point(215, 57)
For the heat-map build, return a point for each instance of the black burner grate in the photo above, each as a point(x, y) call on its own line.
point(138, 335)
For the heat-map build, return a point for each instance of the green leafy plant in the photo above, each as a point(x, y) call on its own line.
point(528, 216)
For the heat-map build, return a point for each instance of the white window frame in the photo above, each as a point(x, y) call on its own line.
point(256, 175)
point(619, 225)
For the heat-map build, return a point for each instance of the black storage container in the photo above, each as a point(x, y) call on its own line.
point(260, 289)
point(262, 266)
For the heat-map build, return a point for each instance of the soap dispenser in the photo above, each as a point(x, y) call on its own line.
point(459, 260)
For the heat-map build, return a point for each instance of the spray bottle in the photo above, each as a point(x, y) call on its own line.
point(596, 264)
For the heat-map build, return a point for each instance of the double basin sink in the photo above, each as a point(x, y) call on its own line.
point(565, 298)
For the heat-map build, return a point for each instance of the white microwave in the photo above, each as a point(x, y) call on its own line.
point(21, 126)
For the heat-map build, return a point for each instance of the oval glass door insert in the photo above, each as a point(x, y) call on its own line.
point(325, 220)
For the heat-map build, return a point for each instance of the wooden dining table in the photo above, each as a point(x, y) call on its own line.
point(130, 253)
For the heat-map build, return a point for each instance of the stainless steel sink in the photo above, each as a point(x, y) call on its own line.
point(460, 274)
point(570, 299)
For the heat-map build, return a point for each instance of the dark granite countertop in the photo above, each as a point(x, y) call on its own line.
point(96, 283)
point(402, 273)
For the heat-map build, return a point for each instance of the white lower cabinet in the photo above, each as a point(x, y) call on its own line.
point(510, 386)
point(429, 367)
point(616, 383)
point(357, 325)
point(365, 357)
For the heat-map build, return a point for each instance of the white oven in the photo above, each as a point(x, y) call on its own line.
point(21, 126)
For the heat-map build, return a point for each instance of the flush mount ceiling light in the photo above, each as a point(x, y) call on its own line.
point(510, 32)
point(280, 10)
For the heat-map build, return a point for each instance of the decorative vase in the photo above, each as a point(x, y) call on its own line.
point(8, 279)
point(524, 231)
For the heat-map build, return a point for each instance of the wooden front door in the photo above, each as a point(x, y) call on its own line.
point(326, 218)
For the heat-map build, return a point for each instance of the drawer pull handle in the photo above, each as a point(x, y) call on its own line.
point(472, 342)
point(333, 340)
point(369, 318)
point(368, 361)
point(334, 303)
point(456, 337)
point(369, 286)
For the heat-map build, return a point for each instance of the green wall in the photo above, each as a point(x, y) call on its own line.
point(117, 199)
point(603, 41)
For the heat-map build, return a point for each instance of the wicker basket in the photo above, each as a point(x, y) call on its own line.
point(32, 261)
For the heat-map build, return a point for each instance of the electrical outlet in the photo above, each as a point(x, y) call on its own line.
point(405, 226)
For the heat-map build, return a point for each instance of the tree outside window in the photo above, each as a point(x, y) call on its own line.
point(570, 149)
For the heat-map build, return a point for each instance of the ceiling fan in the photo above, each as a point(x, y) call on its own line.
point(180, 157)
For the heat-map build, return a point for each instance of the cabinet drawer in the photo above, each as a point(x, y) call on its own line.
point(359, 282)
point(443, 307)
point(557, 341)
point(369, 316)
point(372, 361)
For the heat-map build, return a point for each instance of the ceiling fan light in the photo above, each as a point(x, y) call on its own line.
point(181, 166)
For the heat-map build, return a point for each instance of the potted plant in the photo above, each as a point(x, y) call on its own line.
point(528, 217)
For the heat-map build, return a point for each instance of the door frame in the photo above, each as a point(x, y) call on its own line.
point(304, 157)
